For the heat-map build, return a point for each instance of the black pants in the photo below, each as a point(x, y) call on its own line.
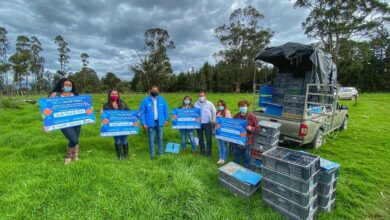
point(72, 134)
point(206, 129)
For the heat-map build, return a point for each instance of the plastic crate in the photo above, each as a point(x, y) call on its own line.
point(294, 91)
point(279, 91)
point(291, 162)
point(324, 201)
point(264, 100)
point(329, 171)
point(324, 189)
point(269, 129)
point(255, 153)
point(255, 164)
point(299, 185)
point(266, 140)
point(293, 111)
point(274, 109)
point(264, 147)
point(225, 173)
point(266, 90)
point(294, 105)
point(288, 215)
point(328, 208)
point(287, 193)
point(294, 98)
point(294, 210)
point(235, 190)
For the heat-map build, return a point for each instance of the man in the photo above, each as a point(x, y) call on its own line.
point(154, 115)
point(208, 114)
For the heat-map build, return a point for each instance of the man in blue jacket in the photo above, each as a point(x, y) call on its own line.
point(154, 116)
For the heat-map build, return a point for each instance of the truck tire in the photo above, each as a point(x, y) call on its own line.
point(344, 125)
point(318, 139)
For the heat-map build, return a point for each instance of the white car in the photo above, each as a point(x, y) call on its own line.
point(348, 93)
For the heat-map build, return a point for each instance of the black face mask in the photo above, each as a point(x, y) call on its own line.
point(154, 94)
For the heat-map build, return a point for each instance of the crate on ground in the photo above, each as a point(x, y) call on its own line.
point(329, 171)
point(294, 210)
point(324, 189)
point(269, 129)
point(266, 140)
point(299, 185)
point(328, 208)
point(291, 162)
point(255, 153)
point(287, 193)
point(324, 201)
point(264, 147)
point(228, 177)
point(255, 164)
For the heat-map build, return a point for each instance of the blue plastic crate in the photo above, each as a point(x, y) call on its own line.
point(274, 109)
point(266, 90)
point(264, 100)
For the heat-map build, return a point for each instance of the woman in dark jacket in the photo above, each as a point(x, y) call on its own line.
point(115, 103)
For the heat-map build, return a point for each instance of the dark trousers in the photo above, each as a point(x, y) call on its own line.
point(205, 129)
point(72, 134)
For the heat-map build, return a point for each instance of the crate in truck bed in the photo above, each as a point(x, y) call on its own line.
point(287, 193)
point(299, 185)
point(293, 105)
point(324, 189)
point(266, 140)
point(264, 147)
point(294, 98)
point(233, 174)
point(294, 210)
point(269, 129)
point(296, 112)
point(291, 162)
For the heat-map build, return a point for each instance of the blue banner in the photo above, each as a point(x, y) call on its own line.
point(119, 122)
point(186, 118)
point(64, 112)
point(231, 130)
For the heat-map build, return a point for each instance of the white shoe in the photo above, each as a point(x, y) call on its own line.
point(219, 161)
point(222, 162)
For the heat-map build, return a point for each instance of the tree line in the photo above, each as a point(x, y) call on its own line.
point(355, 32)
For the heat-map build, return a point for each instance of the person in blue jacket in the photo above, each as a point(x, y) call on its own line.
point(154, 116)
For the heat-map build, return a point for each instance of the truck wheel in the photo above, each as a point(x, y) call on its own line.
point(318, 139)
point(344, 126)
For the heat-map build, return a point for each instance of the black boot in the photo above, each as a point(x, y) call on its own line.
point(126, 150)
point(118, 150)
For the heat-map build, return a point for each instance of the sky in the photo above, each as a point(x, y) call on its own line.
point(112, 31)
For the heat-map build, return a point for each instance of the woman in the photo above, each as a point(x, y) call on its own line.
point(65, 87)
point(222, 111)
point(252, 128)
point(115, 103)
point(187, 103)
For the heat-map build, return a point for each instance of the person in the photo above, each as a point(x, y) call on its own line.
point(222, 111)
point(66, 87)
point(114, 102)
point(252, 128)
point(208, 114)
point(184, 133)
point(154, 115)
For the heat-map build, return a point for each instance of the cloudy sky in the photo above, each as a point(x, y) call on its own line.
point(111, 31)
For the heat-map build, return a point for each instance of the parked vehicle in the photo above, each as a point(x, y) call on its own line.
point(303, 96)
point(350, 93)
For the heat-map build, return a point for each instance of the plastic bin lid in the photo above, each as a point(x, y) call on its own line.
point(241, 173)
point(269, 124)
point(328, 165)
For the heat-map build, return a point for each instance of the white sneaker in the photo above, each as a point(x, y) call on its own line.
point(219, 161)
point(222, 162)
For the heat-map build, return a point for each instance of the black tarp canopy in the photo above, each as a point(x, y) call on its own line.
point(299, 59)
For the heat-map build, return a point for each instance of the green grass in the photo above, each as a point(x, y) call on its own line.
point(34, 183)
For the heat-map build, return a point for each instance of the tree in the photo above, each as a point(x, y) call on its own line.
point(242, 39)
point(84, 60)
point(64, 57)
point(37, 63)
point(87, 80)
point(333, 21)
point(110, 81)
point(20, 61)
point(4, 66)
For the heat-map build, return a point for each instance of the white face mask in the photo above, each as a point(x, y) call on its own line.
point(202, 99)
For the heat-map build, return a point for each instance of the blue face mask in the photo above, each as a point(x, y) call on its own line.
point(67, 89)
point(187, 102)
point(221, 108)
point(243, 110)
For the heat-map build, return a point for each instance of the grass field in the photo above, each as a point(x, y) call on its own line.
point(34, 183)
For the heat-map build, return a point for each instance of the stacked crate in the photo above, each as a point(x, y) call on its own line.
point(327, 181)
point(290, 182)
point(228, 179)
point(265, 139)
point(281, 82)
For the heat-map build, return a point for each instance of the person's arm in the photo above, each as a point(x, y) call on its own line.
point(213, 113)
point(142, 111)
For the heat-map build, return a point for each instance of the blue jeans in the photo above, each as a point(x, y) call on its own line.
point(222, 149)
point(121, 139)
point(72, 134)
point(206, 129)
point(184, 133)
point(159, 131)
point(241, 151)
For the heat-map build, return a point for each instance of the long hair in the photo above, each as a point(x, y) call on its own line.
point(109, 100)
point(190, 105)
point(58, 87)
point(223, 103)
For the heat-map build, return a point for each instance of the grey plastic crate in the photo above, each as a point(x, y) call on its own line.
point(237, 191)
point(297, 164)
point(264, 147)
point(324, 201)
point(294, 210)
point(269, 129)
point(226, 176)
point(328, 176)
point(288, 215)
point(266, 140)
point(287, 193)
point(293, 111)
point(255, 164)
point(328, 208)
point(278, 90)
point(299, 185)
point(294, 98)
point(324, 189)
point(293, 105)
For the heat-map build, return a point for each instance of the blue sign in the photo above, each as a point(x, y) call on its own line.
point(64, 112)
point(186, 118)
point(231, 130)
point(119, 122)
point(172, 148)
point(241, 173)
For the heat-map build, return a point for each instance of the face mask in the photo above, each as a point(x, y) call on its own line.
point(187, 102)
point(67, 89)
point(114, 98)
point(154, 94)
point(243, 110)
point(202, 99)
point(221, 108)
